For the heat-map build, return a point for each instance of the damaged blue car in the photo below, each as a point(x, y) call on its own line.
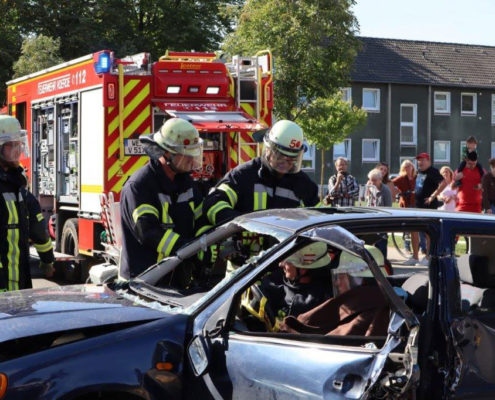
point(195, 326)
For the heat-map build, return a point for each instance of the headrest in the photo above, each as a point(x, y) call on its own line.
point(416, 287)
point(473, 269)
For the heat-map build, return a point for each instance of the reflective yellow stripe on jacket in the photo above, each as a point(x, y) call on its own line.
point(215, 209)
point(261, 196)
point(197, 211)
point(231, 194)
point(13, 234)
point(144, 209)
point(166, 244)
point(44, 247)
point(166, 218)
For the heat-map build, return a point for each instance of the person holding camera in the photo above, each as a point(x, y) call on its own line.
point(343, 188)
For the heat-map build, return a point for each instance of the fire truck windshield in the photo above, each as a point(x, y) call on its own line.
point(214, 116)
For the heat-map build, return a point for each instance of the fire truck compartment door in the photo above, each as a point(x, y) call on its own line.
point(219, 121)
point(92, 150)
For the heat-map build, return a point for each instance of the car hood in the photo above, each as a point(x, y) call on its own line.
point(39, 311)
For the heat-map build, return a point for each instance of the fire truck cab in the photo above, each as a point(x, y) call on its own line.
point(84, 118)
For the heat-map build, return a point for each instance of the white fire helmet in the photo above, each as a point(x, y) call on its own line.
point(284, 147)
point(312, 256)
point(13, 140)
point(352, 270)
point(181, 139)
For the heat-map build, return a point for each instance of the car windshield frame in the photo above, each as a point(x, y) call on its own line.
point(143, 284)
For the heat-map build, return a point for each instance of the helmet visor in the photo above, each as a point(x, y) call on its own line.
point(283, 163)
point(345, 278)
point(16, 149)
point(188, 158)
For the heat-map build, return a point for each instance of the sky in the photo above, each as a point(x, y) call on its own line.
point(454, 21)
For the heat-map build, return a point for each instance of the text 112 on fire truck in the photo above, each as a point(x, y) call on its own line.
point(84, 118)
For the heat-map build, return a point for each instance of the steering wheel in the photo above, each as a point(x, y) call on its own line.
point(256, 304)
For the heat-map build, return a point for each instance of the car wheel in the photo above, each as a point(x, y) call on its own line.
point(75, 271)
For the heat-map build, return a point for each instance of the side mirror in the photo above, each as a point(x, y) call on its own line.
point(198, 355)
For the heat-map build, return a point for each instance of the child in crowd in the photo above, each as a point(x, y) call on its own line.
point(471, 145)
point(448, 196)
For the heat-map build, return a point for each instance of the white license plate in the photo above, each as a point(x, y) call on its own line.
point(133, 147)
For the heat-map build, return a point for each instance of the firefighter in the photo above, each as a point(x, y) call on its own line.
point(302, 282)
point(20, 213)
point(160, 206)
point(274, 180)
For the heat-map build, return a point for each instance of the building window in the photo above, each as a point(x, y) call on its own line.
point(371, 99)
point(441, 151)
point(412, 159)
point(342, 149)
point(346, 94)
point(408, 124)
point(493, 150)
point(468, 104)
point(371, 150)
point(308, 161)
point(462, 149)
point(442, 102)
point(493, 109)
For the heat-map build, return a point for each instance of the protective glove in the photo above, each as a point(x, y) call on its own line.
point(48, 269)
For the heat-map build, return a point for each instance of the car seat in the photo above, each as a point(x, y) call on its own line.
point(416, 287)
point(477, 284)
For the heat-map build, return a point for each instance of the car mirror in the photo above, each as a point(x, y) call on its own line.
point(198, 355)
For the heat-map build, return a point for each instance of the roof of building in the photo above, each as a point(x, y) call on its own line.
point(424, 63)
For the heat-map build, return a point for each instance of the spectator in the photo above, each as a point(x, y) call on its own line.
point(343, 188)
point(471, 145)
point(429, 184)
point(384, 169)
point(379, 196)
point(488, 186)
point(448, 196)
point(469, 194)
point(405, 184)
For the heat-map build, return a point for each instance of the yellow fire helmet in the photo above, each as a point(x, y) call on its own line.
point(178, 137)
point(313, 256)
point(352, 270)
point(357, 267)
point(284, 147)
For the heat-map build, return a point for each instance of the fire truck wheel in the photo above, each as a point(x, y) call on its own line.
point(74, 271)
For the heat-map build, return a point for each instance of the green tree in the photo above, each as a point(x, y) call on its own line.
point(38, 52)
point(330, 120)
point(127, 26)
point(312, 41)
point(10, 45)
point(314, 46)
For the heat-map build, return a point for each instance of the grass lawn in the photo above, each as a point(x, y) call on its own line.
point(460, 247)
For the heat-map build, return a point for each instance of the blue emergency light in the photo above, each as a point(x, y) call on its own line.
point(103, 63)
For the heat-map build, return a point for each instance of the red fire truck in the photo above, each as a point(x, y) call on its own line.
point(84, 118)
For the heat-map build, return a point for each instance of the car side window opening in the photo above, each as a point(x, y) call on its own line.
point(475, 262)
point(319, 289)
